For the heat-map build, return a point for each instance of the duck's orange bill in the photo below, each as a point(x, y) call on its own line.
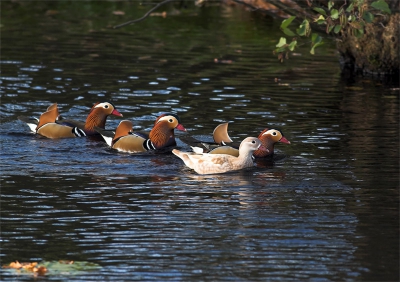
point(180, 127)
point(116, 113)
point(284, 140)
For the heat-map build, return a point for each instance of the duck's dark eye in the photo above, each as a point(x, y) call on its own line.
point(105, 106)
point(274, 133)
point(254, 142)
point(170, 120)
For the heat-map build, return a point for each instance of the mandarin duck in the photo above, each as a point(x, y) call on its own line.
point(268, 137)
point(206, 163)
point(50, 126)
point(160, 136)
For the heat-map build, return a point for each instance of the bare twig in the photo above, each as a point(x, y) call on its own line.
point(145, 15)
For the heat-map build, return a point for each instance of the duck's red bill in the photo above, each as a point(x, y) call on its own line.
point(116, 113)
point(180, 127)
point(284, 140)
point(262, 148)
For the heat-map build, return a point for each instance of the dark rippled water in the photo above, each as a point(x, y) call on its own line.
point(327, 211)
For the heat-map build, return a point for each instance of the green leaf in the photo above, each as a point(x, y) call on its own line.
point(330, 5)
point(334, 14)
point(280, 50)
point(301, 31)
point(321, 20)
point(292, 45)
point(381, 5)
point(316, 41)
point(312, 51)
point(368, 17)
point(288, 32)
point(320, 10)
point(351, 18)
point(350, 8)
point(330, 28)
point(338, 27)
point(358, 33)
point(304, 28)
point(282, 42)
point(315, 38)
point(287, 22)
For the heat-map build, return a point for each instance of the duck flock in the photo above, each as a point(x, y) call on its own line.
point(206, 158)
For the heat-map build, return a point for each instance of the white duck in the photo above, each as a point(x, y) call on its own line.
point(220, 163)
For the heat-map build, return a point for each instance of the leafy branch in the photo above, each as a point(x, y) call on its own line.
point(352, 17)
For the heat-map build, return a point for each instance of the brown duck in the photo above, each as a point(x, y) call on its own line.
point(161, 135)
point(51, 126)
point(224, 145)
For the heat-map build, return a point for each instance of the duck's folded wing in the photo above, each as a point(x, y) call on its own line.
point(55, 131)
point(130, 143)
point(72, 123)
point(142, 134)
point(228, 150)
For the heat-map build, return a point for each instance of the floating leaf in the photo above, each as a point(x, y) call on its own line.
point(52, 267)
point(381, 5)
point(287, 22)
point(282, 42)
point(320, 10)
point(72, 267)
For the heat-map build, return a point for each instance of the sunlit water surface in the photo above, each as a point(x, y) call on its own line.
point(326, 211)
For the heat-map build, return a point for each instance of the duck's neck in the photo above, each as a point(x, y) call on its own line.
point(245, 158)
point(161, 137)
point(269, 144)
point(95, 118)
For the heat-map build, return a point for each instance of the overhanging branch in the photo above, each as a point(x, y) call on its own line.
point(145, 15)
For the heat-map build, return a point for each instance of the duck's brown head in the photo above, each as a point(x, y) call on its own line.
point(163, 130)
point(268, 138)
point(98, 115)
